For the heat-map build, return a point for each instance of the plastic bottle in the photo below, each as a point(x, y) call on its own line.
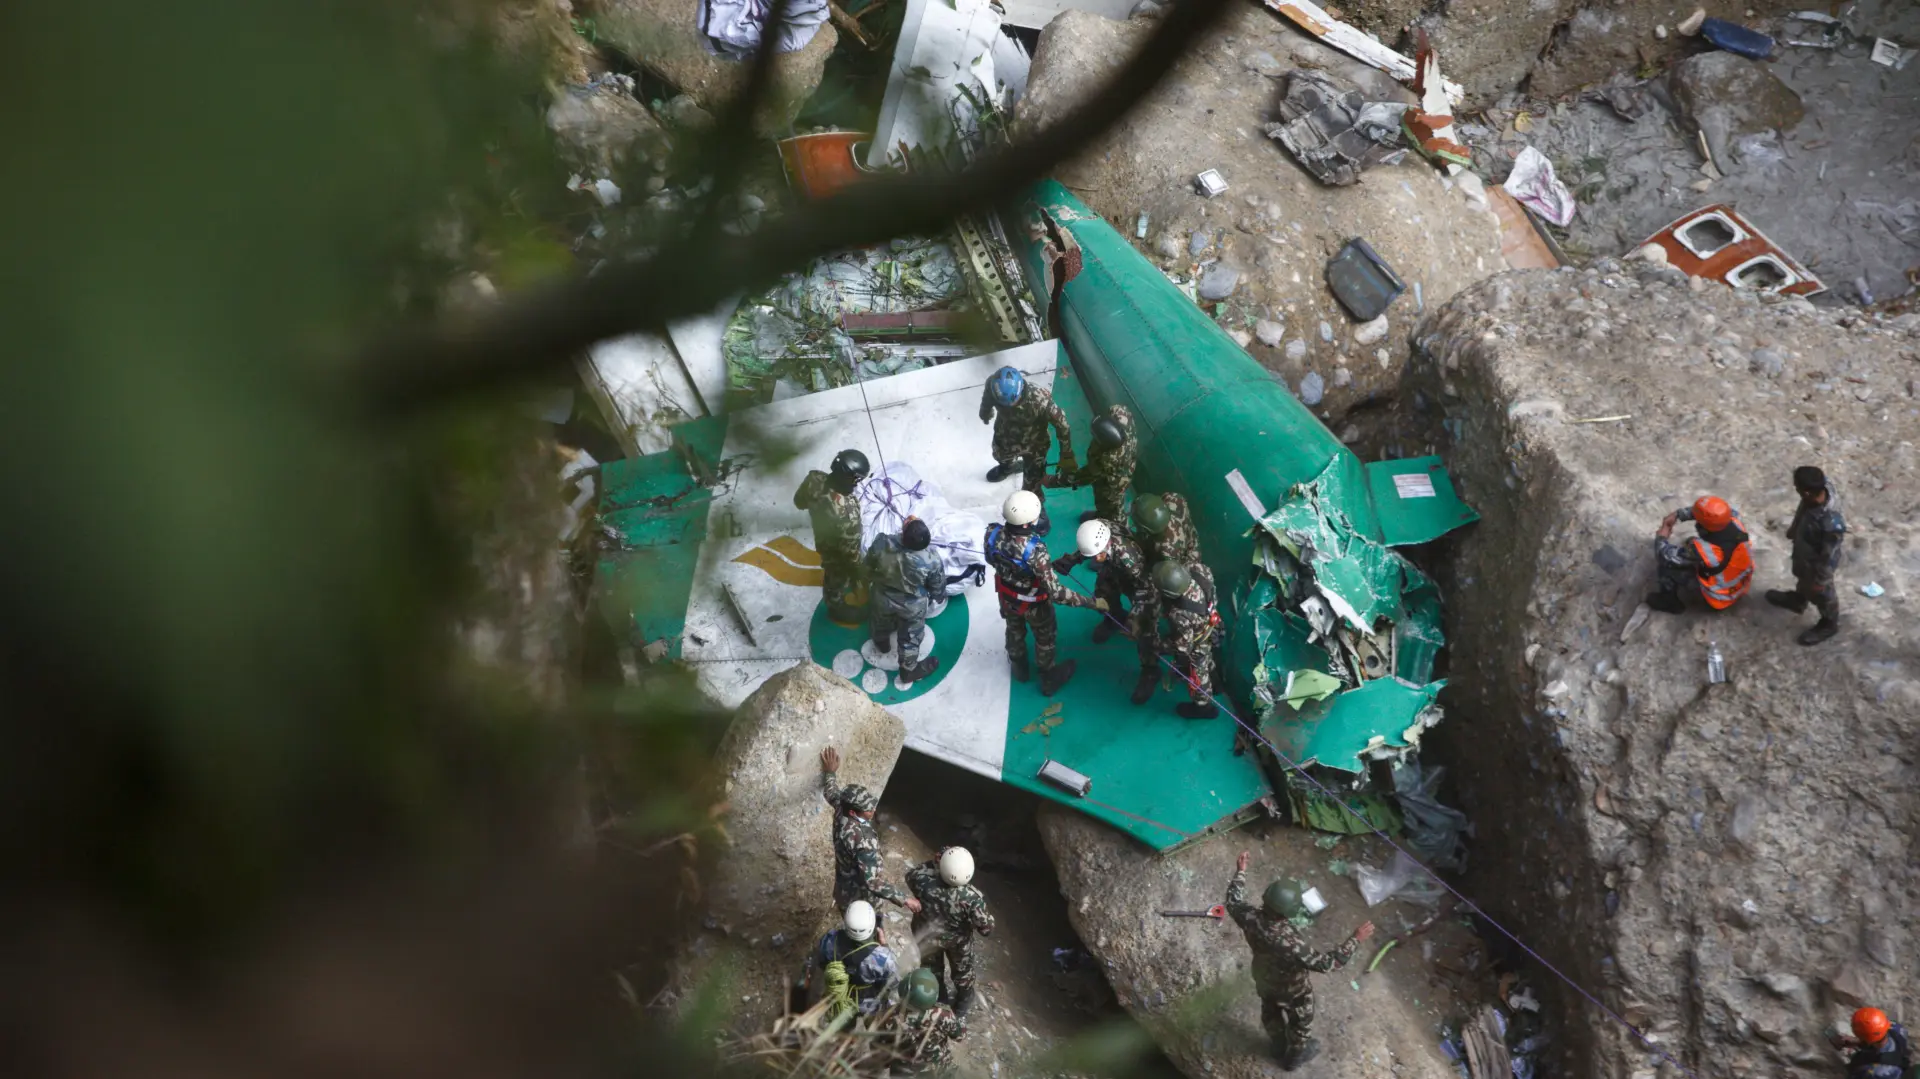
point(1716, 663)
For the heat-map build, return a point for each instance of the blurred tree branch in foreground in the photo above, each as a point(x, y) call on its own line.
point(288, 721)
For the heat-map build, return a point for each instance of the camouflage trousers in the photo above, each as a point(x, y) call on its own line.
point(1196, 666)
point(1109, 498)
point(1133, 621)
point(1288, 1021)
point(840, 582)
point(1816, 588)
point(1046, 630)
point(909, 632)
point(1034, 479)
point(952, 964)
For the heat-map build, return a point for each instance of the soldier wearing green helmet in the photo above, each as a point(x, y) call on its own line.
point(1165, 528)
point(1187, 599)
point(928, 1028)
point(1281, 960)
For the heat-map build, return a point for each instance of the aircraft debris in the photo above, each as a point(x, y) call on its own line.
point(1737, 39)
point(1889, 54)
point(1065, 778)
point(1430, 126)
point(824, 163)
point(1210, 183)
point(1315, 20)
point(1718, 244)
point(1332, 131)
point(1362, 281)
point(1534, 184)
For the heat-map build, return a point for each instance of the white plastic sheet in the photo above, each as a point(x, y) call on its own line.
point(1534, 184)
point(889, 497)
point(733, 27)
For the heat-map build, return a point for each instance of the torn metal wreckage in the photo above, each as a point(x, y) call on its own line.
point(1329, 633)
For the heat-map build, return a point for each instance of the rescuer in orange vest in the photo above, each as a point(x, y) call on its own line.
point(1716, 565)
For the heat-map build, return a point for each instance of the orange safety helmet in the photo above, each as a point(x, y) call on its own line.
point(1870, 1025)
point(1712, 514)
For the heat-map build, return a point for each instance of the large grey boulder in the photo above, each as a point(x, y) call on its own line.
point(1187, 980)
point(1724, 97)
point(663, 35)
point(601, 128)
point(1260, 250)
point(769, 894)
point(1728, 865)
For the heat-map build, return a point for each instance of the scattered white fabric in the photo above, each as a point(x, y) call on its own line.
point(1534, 184)
point(733, 27)
point(889, 497)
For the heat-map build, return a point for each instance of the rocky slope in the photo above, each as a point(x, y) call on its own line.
point(1735, 860)
point(1186, 980)
point(1260, 250)
point(769, 896)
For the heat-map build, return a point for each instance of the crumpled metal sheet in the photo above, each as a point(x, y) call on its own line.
point(1333, 131)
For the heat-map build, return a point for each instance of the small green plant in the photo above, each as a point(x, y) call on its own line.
point(586, 29)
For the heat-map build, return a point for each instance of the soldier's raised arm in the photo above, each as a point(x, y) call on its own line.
point(1237, 906)
point(986, 402)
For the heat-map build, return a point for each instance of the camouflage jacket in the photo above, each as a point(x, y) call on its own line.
point(858, 868)
point(1022, 568)
point(906, 580)
point(836, 518)
point(1178, 542)
point(1281, 956)
point(1191, 612)
point(925, 1039)
point(1127, 565)
point(1024, 423)
point(955, 912)
point(1816, 533)
point(1113, 467)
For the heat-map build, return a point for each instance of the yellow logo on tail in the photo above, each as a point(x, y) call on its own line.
point(786, 560)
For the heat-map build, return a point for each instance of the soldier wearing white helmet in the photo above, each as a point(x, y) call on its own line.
point(856, 966)
point(1023, 578)
point(952, 910)
point(1123, 571)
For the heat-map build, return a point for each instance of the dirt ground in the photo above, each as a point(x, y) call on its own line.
point(1840, 192)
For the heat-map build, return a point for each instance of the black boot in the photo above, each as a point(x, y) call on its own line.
point(1196, 710)
point(1668, 602)
point(1005, 468)
point(1052, 679)
point(963, 1002)
point(1103, 631)
point(1820, 631)
point(1020, 671)
point(1143, 689)
point(883, 645)
point(1307, 1052)
point(1792, 601)
point(919, 670)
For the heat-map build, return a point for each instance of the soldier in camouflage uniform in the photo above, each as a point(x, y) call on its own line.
point(1187, 599)
point(1021, 413)
point(1165, 529)
point(1281, 960)
point(923, 1042)
point(858, 869)
point(1110, 462)
point(1816, 534)
point(828, 498)
point(1123, 573)
point(1023, 578)
point(905, 579)
point(952, 910)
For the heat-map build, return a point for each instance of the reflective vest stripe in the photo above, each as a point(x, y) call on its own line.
point(1725, 576)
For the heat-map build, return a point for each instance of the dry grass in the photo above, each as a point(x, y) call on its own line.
point(808, 1045)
